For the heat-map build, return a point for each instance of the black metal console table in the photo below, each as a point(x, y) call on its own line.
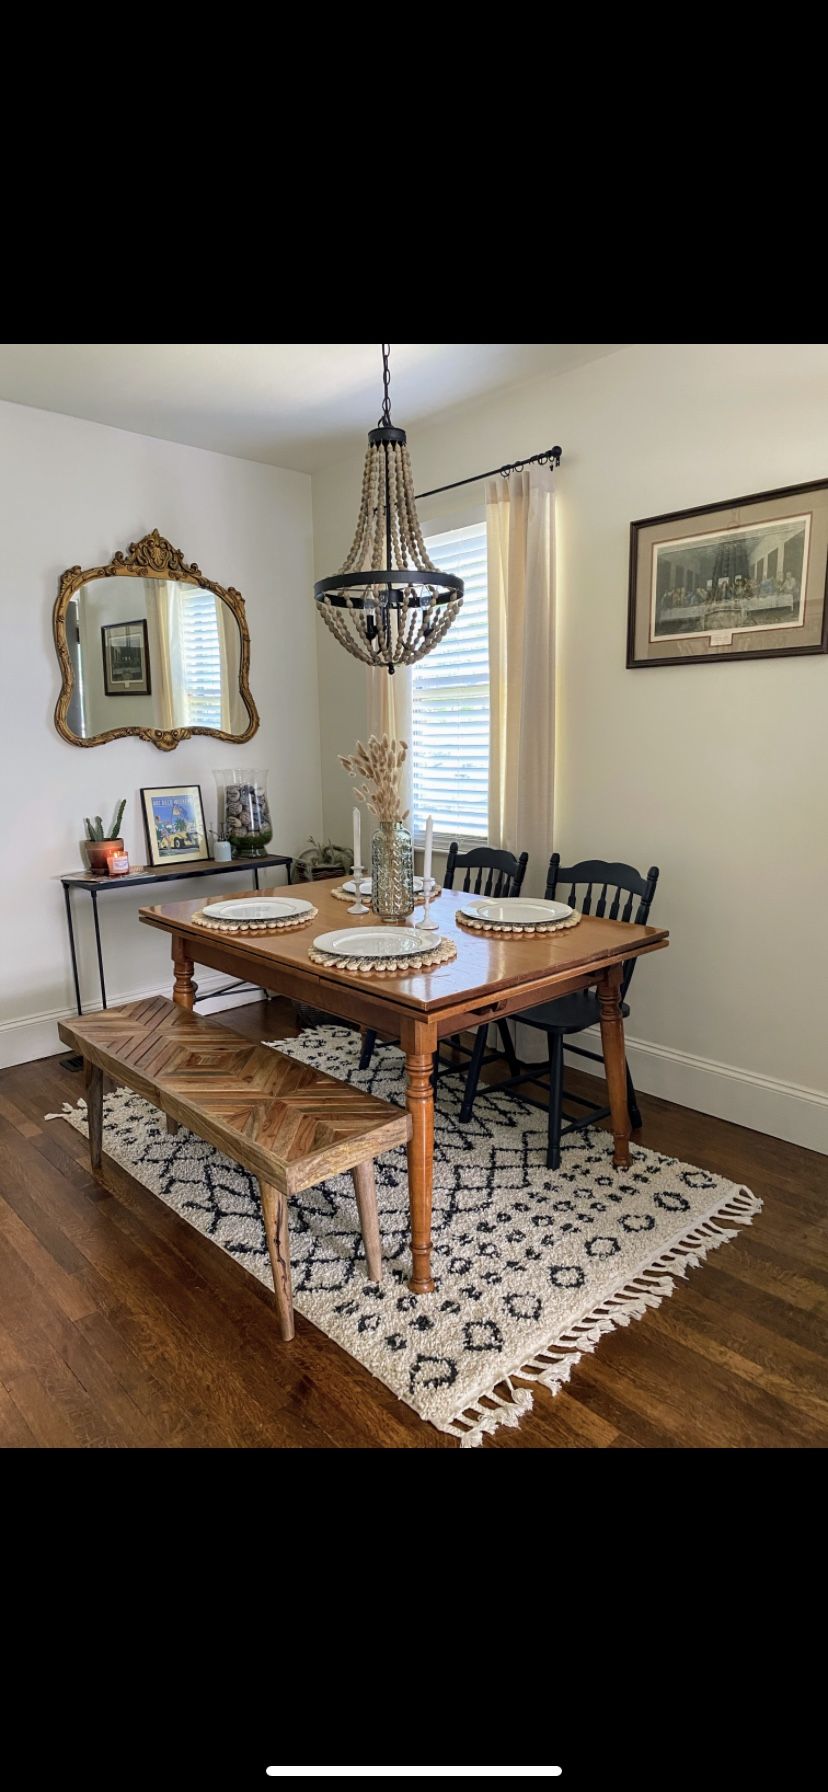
point(155, 874)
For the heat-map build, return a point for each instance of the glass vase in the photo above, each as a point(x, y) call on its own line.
point(392, 872)
point(244, 811)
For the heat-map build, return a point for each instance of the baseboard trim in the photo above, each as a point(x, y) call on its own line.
point(36, 1036)
point(764, 1103)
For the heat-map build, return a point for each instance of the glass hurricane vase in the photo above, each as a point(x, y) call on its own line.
point(244, 811)
point(392, 872)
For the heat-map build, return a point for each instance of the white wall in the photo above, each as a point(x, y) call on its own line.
point(72, 492)
point(718, 773)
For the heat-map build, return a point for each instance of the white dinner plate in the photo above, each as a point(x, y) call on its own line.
point(517, 911)
point(260, 908)
point(374, 942)
point(365, 886)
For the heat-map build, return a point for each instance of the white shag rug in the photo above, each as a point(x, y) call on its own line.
point(532, 1266)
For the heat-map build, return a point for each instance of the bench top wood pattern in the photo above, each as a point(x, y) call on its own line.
point(283, 1120)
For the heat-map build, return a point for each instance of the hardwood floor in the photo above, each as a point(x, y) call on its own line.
point(120, 1326)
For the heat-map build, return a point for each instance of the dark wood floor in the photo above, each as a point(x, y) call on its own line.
point(121, 1326)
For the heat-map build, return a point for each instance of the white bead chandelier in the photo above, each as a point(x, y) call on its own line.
point(388, 605)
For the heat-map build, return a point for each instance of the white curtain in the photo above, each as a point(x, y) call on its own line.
point(520, 531)
point(166, 654)
point(388, 711)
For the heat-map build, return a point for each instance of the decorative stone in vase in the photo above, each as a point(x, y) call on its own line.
point(242, 795)
point(392, 872)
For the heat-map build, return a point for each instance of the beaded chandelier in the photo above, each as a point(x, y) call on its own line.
point(388, 605)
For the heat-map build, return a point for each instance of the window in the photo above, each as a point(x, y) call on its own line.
point(201, 657)
point(450, 704)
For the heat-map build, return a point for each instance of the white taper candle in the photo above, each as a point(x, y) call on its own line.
point(427, 853)
point(357, 837)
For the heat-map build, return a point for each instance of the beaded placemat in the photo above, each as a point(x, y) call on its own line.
point(442, 953)
point(505, 931)
point(343, 895)
point(202, 919)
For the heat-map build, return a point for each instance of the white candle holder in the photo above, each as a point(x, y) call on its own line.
point(359, 907)
point(429, 886)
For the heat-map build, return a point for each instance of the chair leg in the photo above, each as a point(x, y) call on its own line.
point(633, 1109)
point(367, 1052)
point(473, 1074)
point(553, 1149)
point(366, 1195)
point(94, 1112)
point(274, 1209)
point(509, 1050)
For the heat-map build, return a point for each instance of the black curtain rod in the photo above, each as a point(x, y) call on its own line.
point(552, 455)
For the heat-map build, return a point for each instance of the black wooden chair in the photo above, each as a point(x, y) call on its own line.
point(489, 872)
point(570, 1014)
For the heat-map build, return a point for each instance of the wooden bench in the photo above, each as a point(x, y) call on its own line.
point(289, 1125)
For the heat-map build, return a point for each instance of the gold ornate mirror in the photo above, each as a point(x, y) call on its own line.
point(148, 646)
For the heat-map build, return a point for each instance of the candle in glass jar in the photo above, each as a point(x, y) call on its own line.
point(429, 829)
point(357, 838)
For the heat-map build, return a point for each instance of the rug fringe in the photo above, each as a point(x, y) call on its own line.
point(552, 1365)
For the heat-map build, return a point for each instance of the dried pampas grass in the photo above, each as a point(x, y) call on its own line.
point(379, 764)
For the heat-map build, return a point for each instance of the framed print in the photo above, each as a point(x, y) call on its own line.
point(745, 579)
point(174, 821)
point(126, 659)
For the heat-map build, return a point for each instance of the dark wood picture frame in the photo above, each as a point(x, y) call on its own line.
point(716, 656)
point(187, 856)
point(146, 688)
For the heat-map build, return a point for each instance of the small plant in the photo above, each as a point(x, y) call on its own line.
point(380, 763)
point(95, 829)
point(219, 833)
point(325, 852)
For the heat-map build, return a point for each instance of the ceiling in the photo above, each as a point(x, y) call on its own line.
point(291, 404)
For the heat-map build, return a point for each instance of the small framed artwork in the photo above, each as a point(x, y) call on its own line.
point(126, 659)
point(174, 822)
point(745, 579)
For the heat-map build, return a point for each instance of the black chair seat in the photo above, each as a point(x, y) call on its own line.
point(568, 1015)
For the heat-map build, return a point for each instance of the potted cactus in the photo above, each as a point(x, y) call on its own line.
point(98, 844)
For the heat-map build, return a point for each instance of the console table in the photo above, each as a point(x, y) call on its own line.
point(154, 874)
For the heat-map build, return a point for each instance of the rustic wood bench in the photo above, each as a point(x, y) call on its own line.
point(289, 1125)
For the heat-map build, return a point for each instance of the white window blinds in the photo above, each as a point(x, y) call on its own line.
point(450, 704)
point(201, 657)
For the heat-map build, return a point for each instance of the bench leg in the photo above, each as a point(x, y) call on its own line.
point(172, 1125)
point(274, 1208)
point(94, 1111)
point(366, 1194)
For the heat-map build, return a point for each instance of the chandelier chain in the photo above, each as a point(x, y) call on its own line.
point(386, 386)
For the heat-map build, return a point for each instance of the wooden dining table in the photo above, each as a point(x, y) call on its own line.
point(490, 978)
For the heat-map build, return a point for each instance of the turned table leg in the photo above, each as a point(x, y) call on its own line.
point(419, 1101)
point(615, 1063)
point(184, 989)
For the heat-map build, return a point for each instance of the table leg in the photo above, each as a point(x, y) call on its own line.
point(419, 1101)
point(184, 989)
point(615, 1063)
point(94, 895)
point(72, 947)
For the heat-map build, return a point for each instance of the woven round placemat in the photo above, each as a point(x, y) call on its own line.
point(442, 953)
point(202, 919)
point(343, 895)
point(505, 932)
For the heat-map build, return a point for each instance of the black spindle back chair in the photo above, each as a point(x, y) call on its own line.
point(498, 873)
point(609, 890)
point(492, 873)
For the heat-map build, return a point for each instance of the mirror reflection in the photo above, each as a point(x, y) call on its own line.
point(152, 653)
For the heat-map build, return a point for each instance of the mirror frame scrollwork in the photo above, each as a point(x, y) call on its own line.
point(151, 557)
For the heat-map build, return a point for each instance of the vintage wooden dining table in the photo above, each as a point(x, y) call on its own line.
point(489, 979)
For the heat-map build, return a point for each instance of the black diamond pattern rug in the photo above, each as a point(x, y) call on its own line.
point(532, 1266)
